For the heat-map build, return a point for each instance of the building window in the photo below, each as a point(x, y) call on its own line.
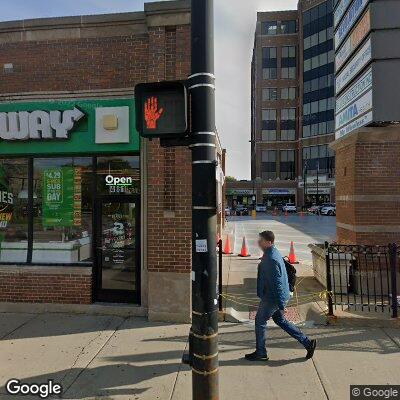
point(288, 27)
point(13, 210)
point(270, 28)
point(269, 122)
point(288, 93)
point(269, 62)
point(287, 165)
point(269, 94)
point(319, 158)
point(268, 166)
point(288, 124)
point(268, 135)
point(288, 62)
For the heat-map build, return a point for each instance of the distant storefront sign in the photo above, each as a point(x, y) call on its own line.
point(314, 190)
point(359, 61)
point(357, 89)
point(356, 37)
point(239, 192)
point(279, 192)
point(354, 110)
point(349, 20)
point(358, 123)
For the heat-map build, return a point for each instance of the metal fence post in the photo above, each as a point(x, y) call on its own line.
point(393, 248)
point(328, 280)
point(220, 307)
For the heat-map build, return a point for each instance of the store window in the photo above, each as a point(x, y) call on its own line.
point(118, 175)
point(13, 210)
point(62, 211)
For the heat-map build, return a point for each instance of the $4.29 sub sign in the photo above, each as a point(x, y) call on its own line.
point(161, 109)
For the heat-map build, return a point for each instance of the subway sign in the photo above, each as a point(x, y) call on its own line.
point(38, 124)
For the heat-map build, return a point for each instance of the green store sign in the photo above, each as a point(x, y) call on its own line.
point(68, 127)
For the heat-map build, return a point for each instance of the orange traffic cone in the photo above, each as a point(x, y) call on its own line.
point(227, 247)
point(244, 252)
point(292, 255)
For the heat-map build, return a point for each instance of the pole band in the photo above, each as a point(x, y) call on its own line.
point(205, 337)
point(205, 373)
point(203, 145)
point(201, 74)
point(203, 162)
point(204, 357)
point(202, 85)
point(203, 208)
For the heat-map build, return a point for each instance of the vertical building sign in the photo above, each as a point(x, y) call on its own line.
point(62, 197)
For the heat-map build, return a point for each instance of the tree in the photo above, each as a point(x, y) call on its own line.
point(230, 179)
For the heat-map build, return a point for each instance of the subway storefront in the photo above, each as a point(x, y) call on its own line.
point(70, 191)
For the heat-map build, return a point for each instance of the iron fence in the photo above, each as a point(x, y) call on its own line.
point(363, 277)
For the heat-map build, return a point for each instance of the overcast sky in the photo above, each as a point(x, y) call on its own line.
point(235, 24)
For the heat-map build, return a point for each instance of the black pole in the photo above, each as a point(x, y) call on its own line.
point(318, 185)
point(220, 272)
point(393, 249)
point(204, 331)
point(305, 187)
point(328, 280)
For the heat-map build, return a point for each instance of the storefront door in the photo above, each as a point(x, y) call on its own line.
point(118, 250)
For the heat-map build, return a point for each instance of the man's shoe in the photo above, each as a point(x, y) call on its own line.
point(255, 357)
point(311, 349)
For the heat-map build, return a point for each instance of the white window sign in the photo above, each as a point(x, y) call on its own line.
point(354, 110)
point(359, 123)
point(360, 87)
point(36, 125)
point(348, 21)
point(359, 61)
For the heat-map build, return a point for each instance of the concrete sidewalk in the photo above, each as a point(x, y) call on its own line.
point(105, 357)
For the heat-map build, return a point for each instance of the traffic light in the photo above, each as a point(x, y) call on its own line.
point(161, 109)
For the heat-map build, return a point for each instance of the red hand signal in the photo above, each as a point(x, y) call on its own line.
point(151, 112)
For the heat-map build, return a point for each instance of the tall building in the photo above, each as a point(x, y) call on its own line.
point(292, 105)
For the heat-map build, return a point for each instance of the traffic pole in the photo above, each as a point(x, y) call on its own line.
point(203, 343)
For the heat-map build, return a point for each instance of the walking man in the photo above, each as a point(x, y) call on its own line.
point(273, 291)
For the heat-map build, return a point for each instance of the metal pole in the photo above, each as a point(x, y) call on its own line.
point(220, 282)
point(328, 280)
point(204, 331)
point(393, 266)
point(318, 184)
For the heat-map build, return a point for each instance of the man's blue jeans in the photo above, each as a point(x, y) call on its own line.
point(266, 311)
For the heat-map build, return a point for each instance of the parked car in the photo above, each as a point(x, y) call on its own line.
point(241, 210)
point(261, 208)
point(289, 207)
point(228, 211)
point(328, 210)
point(313, 209)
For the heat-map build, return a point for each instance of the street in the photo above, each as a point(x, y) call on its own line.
point(302, 230)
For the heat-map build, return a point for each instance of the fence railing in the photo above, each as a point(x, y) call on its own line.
point(363, 277)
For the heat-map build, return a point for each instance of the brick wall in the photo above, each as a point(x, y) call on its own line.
point(39, 287)
point(111, 61)
point(368, 188)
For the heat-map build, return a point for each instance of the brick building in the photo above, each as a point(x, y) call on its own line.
point(90, 212)
point(293, 105)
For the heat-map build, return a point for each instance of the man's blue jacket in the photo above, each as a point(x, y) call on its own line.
point(272, 280)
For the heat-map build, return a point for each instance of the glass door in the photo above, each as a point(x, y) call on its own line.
point(118, 250)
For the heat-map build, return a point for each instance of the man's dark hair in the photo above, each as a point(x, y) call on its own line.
point(268, 235)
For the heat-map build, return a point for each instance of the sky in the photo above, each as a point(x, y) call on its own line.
point(234, 35)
